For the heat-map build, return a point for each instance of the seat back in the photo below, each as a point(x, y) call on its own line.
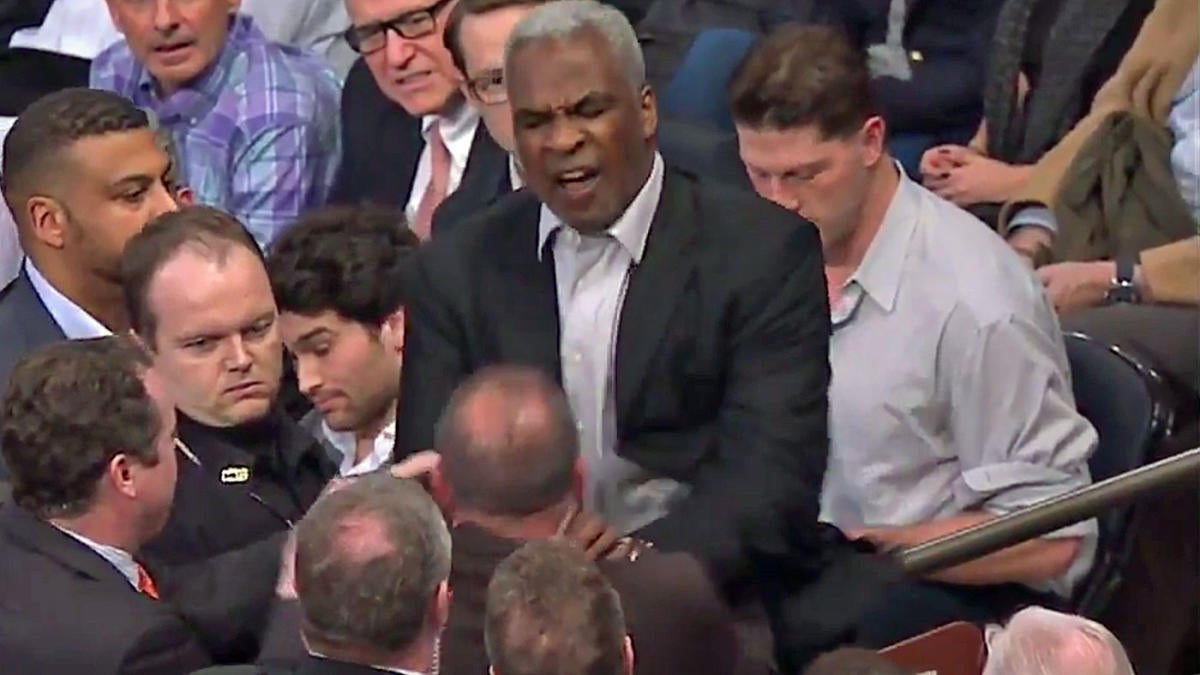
point(953, 649)
point(1129, 404)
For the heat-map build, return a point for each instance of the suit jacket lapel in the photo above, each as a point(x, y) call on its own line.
point(654, 287)
point(530, 333)
point(399, 177)
point(486, 174)
point(37, 535)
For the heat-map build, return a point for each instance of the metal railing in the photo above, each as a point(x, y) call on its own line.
point(1035, 521)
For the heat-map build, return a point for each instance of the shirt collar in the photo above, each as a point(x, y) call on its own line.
point(457, 128)
point(72, 319)
point(197, 97)
point(514, 174)
point(122, 560)
point(881, 268)
point(344, 442)
point(630, 230)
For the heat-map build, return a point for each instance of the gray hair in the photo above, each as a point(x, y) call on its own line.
point(369, 558)
point(1039, 641)
point(563, 19)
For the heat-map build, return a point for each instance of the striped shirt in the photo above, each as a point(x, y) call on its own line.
point(256, 135)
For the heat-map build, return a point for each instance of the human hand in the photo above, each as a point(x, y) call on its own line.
point(1077, 285)
point(591, 533)
point(285, 584)
point(1033, 243)
point(417, 466)
point(978, 180)
point(938, 160)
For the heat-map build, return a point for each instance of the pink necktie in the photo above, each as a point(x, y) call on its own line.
point(439, 182)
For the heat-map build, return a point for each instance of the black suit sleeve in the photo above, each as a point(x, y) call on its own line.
point(434, 362)
point(166, 649)
point(345, 189)
point(226, 599)
point(755, 502)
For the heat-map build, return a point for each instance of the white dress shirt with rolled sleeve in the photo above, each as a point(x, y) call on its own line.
point(951, 390)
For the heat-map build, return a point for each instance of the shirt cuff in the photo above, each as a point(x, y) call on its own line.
point(1034, 216)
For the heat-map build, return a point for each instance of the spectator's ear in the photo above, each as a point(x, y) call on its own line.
point(392, 332)
point(874, 139)
point(628, 655)
point(440, 607)
point(185, 196)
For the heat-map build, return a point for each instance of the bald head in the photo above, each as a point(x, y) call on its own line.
point(1040, 641)
point(508, 442)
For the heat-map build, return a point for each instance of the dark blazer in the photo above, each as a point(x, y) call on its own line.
point(678, 622)
point(381, 145)
point(287, 469)
point(65, 610)
point(18, 14)
point(25, 325)
point(687, 147)
point(721, 358)
point(29, 74)
point(952, 38)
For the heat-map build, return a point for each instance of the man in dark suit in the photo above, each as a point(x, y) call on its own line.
point(511, 469)
point(198, 297)
point(82, 174)
point(88, 433)
point(688, 323)
point(409, 140)
point(476, 33)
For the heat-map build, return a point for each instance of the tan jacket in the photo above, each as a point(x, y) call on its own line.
point(1145, 83)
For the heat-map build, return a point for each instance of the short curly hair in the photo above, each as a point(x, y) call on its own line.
point(352, 260)
point(69, 409)
point(34, 146)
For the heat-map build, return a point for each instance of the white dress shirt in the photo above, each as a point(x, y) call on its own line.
point(119, 559)
point(345, 442)
point(950, 387)
point(458, 133)
point(514, 174)
point(592, 274)
point(74, 321)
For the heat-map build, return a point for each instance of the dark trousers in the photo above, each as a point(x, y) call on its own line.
point(913, 608)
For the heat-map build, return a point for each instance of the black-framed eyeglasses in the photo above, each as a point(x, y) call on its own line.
point(488, 87)
point(371, 37)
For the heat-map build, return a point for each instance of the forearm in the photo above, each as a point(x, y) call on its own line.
point(1171, 273)
point(1032, 561)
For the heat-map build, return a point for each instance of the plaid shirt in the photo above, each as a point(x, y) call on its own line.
point(256, 135)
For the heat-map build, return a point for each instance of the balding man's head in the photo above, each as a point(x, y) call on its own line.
point(1039, 641)
point(508, 442)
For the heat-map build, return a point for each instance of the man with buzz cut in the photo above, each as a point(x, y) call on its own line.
point(338, 276)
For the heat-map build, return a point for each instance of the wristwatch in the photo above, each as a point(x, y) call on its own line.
point(1123, 288)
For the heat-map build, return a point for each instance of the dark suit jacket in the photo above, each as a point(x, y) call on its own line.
point(687, 147)
point(721, 359)
point(953, 38)
point(18, 14)
point(25, 325)
point(65, 610)
point(675, 616)
point(381, 145)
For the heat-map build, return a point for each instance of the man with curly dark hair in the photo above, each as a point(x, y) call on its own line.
point(339, 279)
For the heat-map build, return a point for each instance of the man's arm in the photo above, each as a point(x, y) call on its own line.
point(226, 599)
point(166, 649)
point(282, 172)
point(756, 498)
point(1020, 441)
point(434, 362)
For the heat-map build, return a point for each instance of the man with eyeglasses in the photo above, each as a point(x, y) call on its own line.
point(410, 140)
point(255, 124)
point(476, 33)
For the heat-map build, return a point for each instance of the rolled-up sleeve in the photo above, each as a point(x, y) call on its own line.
point(1019, 436)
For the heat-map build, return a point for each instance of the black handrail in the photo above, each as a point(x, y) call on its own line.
point(1040, 519)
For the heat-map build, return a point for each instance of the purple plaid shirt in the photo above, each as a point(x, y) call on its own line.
point(256, 135)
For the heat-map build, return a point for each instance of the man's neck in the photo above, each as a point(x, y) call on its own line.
point(100, 298)
point(533, 527)
point(365, 437)
point(843, 259)
point(100, 527)
point(417, 659)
